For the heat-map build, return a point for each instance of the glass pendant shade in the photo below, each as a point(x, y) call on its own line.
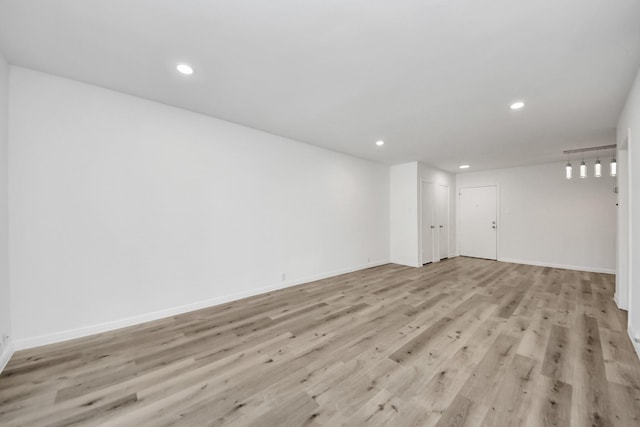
point(568, 170)
point(597, 169)
point(583, 170)
point(613, 167)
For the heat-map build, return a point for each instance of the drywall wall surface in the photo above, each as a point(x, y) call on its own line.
point(629, 242)
point(404, 214)
point(545, 219)
point(622, 253)
point(405, 210)
point(124, 210)
point(5, 308)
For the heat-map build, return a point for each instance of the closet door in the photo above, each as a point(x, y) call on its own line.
point(442, 202)
point(428, 224)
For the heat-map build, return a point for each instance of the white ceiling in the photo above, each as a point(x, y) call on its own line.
point(433, 78)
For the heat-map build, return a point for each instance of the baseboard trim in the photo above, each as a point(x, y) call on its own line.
point(563, 266)
point(412, 264)
point(408, 263)
point(636, 345)
point(30, 342)
point(6, 354)
point(618, 304)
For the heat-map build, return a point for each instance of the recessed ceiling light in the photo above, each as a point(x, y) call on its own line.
point(465, 166)
point(517, 105)
point(184, 69)
point(380, 143)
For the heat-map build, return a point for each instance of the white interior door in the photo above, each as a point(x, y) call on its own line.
point(478, 222)
point(428, 224)
point(443, 221)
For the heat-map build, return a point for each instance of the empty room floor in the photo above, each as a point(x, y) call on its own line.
point(460, 342)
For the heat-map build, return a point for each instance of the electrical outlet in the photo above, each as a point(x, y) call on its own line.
point(368, 259)
point(284, 277)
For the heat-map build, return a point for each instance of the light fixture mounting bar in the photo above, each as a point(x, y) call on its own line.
point(584, 150)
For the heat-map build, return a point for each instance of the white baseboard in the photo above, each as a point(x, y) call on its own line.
point(418, 265)
point(30, 342)
point(618, 304)
point(636, 344)
point(563, 266)
point(405, 261)
point(6, 354)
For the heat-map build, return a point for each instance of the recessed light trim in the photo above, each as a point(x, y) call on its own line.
point(464, 166)
point(380, 143)
point(185, 69)
point(517, 105)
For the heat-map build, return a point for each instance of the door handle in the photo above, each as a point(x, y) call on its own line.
point(433, 226)
point(442, 226)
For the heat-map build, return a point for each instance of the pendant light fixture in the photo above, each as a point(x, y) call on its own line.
point(583, 168)
point(597, 166)
point(613, 166)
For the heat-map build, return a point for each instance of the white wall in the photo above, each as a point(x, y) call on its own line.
point(123, 210)
point(622, 254)
point(5, 309)
point(545, 219)
point(406, 210)
point(629, 123)
point(404, 214)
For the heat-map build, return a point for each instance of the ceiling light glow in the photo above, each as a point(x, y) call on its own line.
point(184, 69)
point(380, 143)
point(465, 166)
point(517, 105)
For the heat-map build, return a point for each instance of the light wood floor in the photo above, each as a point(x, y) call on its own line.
point(460, 342)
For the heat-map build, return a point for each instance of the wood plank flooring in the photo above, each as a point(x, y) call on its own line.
point(464, 342)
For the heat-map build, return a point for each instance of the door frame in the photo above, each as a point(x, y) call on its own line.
point(436, 257)
point(498, 219)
